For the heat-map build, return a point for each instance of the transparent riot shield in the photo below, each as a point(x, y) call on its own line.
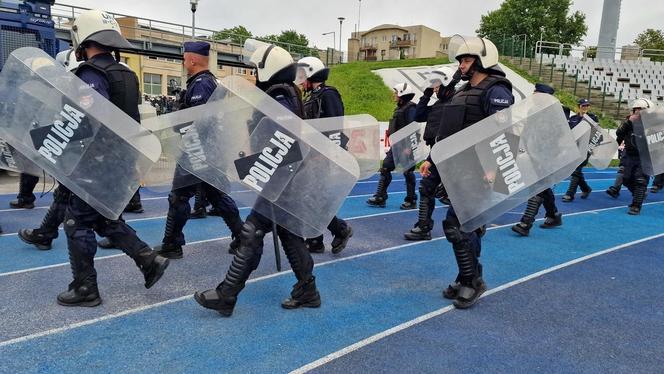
point(12, 160)
point(503, 160)
point(358, 134)
point(249, 146)
point(147, 111)
point(73, 133)
point(649, 134)
point(408, 146)
point(601, 145)
point(581, 133)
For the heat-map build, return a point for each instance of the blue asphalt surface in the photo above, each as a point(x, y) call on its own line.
point(378, 282)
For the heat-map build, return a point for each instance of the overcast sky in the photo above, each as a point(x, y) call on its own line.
point(314, 17)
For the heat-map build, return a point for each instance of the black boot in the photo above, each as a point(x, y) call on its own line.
point(614, 191)
point(106, 243)
point(169, 250)
point(422, 230)
point(135, 205)
point(441, 194)
point(83, 290)
point(200, 204)
point(214, 299)
point(152, 266)
point(42, 239)
point(571, 190)
point(532, 208)
point(468, 295)
point(340, 241)
point(522, 229)
point(638, 196)
point(550, 222)
point(315, 245)
point(198, 213)
point(304, 294)
point(408, 205)
point(25, 198)
point(43, 236)
point(380, 197)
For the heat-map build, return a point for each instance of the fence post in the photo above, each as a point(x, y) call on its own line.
point(553, 64)
point(541, 61)
point(576, 81)
point(603, 95)
point(562, 81)
point(590, 82)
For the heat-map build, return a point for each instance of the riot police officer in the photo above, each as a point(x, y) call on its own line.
point(633, 177)
point(200, 86)
point(443, 85)
point(276, 72)
point(403, 115)
point(486, 92)
point(577, 179)
point(552, 218)
point(96, 35)
point(323, 101)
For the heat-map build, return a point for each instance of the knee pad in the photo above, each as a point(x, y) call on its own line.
point(250, 237)
point(452, 232)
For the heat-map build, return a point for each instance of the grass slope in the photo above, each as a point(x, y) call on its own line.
point(364, 91)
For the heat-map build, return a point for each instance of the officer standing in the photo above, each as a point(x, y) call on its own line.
point(276, 71)
point(633, 177)
point(323, 101)
point(577, 179)
point(200, 86)
point(487, 92)
point(96, 35)
point(552, 218)
point(444, 89)
point(404, 114)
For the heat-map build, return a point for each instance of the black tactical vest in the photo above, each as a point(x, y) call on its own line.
point(399, 119)
point(313, 103)
point(291, 94)
point(433, 121)
point(125, 91)
point(466, 106)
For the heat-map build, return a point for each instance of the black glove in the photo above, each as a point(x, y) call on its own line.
point(457, 75)
point(428, 92)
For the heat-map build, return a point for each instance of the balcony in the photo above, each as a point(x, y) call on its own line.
point(368, 47)
point(402, 43)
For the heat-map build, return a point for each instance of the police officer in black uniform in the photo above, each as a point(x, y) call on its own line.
point(276, 72)
point(96, 35)
point(200, 86)
point(487, 92)
point(552, 218)
point(443, 86)
point(577, 179)
point(404, 115)
point(633, 176)
point(323, 101)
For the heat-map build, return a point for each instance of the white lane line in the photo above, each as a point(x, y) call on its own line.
point(374, 338)
point(170, 301)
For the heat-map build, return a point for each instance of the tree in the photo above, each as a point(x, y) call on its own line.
point(236, 35)
point(292, 41)
point(651, 39)
point(549, 19)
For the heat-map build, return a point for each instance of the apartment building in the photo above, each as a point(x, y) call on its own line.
point(394, 42)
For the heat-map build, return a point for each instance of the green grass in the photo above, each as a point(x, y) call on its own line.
point(565, 98)
point(365, 92)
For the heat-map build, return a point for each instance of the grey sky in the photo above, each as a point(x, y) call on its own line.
point(314, 17)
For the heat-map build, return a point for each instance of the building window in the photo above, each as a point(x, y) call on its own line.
point(241, 71)
point(384, 38)
point(152, 84)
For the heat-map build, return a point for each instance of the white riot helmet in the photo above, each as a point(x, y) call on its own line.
point(641, 103)
point(481, 48)
point(403, 89)
point(441, 76)
point(100, 27)
point(68, 59)
point(313, 68)
point(273, 62)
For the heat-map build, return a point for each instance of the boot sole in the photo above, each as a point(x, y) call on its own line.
point(171, 256)
point(414, 239)
point(336, 250)
point(87, 304)
point(158, 274)
point(465, 304)
point(41, 247)
point(522, 233)
point(310, 304)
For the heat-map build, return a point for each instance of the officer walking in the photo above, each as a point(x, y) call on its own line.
point(200, 86)
point(276, 72)
point(630, 162)
point(404, 114)
point(577, 179)
point(547, 198)
point(96, 35)
point(323, 101)
point(487, 92)
point(444, 88)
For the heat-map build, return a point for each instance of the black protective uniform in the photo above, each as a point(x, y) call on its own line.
point(324, 102)
point(633, 177)
point(404, 114)
point(577, 178)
